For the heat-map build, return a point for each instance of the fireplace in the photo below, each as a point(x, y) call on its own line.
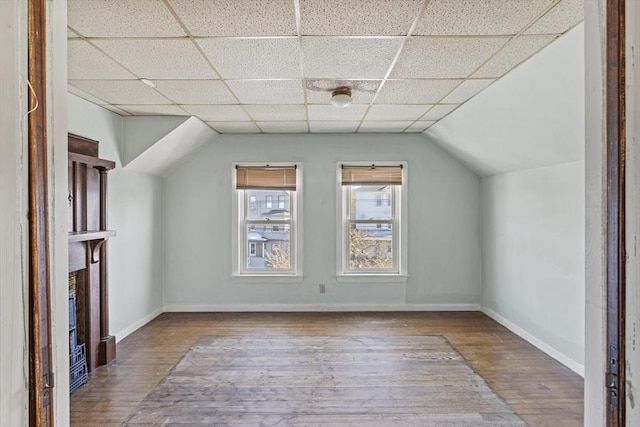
point(88, 235)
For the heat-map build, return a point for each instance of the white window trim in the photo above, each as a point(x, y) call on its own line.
point(343, 274)
point(238, 273)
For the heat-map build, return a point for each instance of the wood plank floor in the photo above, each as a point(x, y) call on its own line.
point(539, 389)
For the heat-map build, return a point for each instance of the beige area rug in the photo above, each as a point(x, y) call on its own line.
point(313, 380)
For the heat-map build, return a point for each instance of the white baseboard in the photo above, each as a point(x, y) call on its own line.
point(560, 357)
point(320, 307)
point(137, 325)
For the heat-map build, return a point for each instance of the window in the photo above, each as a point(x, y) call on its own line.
point(266, 243)
point(371, 217)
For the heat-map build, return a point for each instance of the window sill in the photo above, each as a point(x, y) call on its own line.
point(266, 278)
point(372, 278)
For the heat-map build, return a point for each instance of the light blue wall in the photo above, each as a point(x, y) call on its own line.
point(533, 253)
point(525, 134)
point(135, 213)
point(444, 224)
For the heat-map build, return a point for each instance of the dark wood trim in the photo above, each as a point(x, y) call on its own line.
point(40, 375)
point(81, 145)
point(107, 350)
point(92, 161)
point(615, 134)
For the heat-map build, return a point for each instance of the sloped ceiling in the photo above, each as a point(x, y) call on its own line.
point(269, 66)
point(532, 117)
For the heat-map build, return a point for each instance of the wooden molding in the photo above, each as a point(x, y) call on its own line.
point(40, 375)
point(615, 206)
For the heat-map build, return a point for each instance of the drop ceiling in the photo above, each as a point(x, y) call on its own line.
point(269, 66)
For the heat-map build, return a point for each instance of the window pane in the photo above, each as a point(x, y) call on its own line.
point(261, 204)
point(370, 246)
point(268, 247)
point(370, 202)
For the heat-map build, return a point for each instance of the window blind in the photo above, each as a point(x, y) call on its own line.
point(266, 178)
point(371, 175)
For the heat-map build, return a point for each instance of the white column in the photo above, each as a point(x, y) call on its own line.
point(13, 212)
point(595, 160)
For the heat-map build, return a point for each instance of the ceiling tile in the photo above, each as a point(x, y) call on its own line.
point(362, 91)
point(284, 127)
point(268, 91)
point(120, 91)
point(254, 58)
point(71, 34)
point(237, 17)
point(84, 95)
point(432, 57)
point(329, 112)
point(122, 18)
point(158, 58)
point(420, 126)
point(396, 112)
point(348, 58)
point(85, 62)
point(563, 16)
point(475, 17)
point(415, 91)
point(234, 127)
point(438, 112)
point(466, 90)
point(272, 113)
point(361, 18)
point(152, 110)
point(333, 127)
point(388, 126)
point(115, 109)
point(518, 50)
point(196, 91)
point(217, 113)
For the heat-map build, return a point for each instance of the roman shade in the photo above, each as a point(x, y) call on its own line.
point(266, 178)
point(372, 175)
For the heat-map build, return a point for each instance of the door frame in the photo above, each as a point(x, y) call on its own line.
point(41, 380)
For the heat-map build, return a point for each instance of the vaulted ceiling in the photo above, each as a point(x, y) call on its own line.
point(269, 66)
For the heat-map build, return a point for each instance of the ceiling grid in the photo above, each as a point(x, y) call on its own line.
point(244, 66)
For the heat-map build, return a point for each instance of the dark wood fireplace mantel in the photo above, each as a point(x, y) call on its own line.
point(88, 235)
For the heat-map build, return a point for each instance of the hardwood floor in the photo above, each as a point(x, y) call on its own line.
point(540, 390)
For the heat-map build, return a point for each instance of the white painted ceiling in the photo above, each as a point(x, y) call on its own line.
point(269, 66)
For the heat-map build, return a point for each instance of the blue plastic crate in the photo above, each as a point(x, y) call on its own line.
point(78, 372)
point(77, 354)
point(73, 339)
point(72, 309)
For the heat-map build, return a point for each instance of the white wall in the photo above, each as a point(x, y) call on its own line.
point(135, 213)
point(444, 224)
point(58, 206)
point(533, 256)
point(531, 117)
point(525, 134)
point(13, 224)
point(595, 198)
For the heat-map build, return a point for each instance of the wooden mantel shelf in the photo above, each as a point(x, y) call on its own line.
point(83, 236)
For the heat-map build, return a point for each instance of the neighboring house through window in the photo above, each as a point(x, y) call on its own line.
point(372, 221)
point(267, 237)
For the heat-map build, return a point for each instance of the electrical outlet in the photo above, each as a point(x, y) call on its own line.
point(323, 288)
